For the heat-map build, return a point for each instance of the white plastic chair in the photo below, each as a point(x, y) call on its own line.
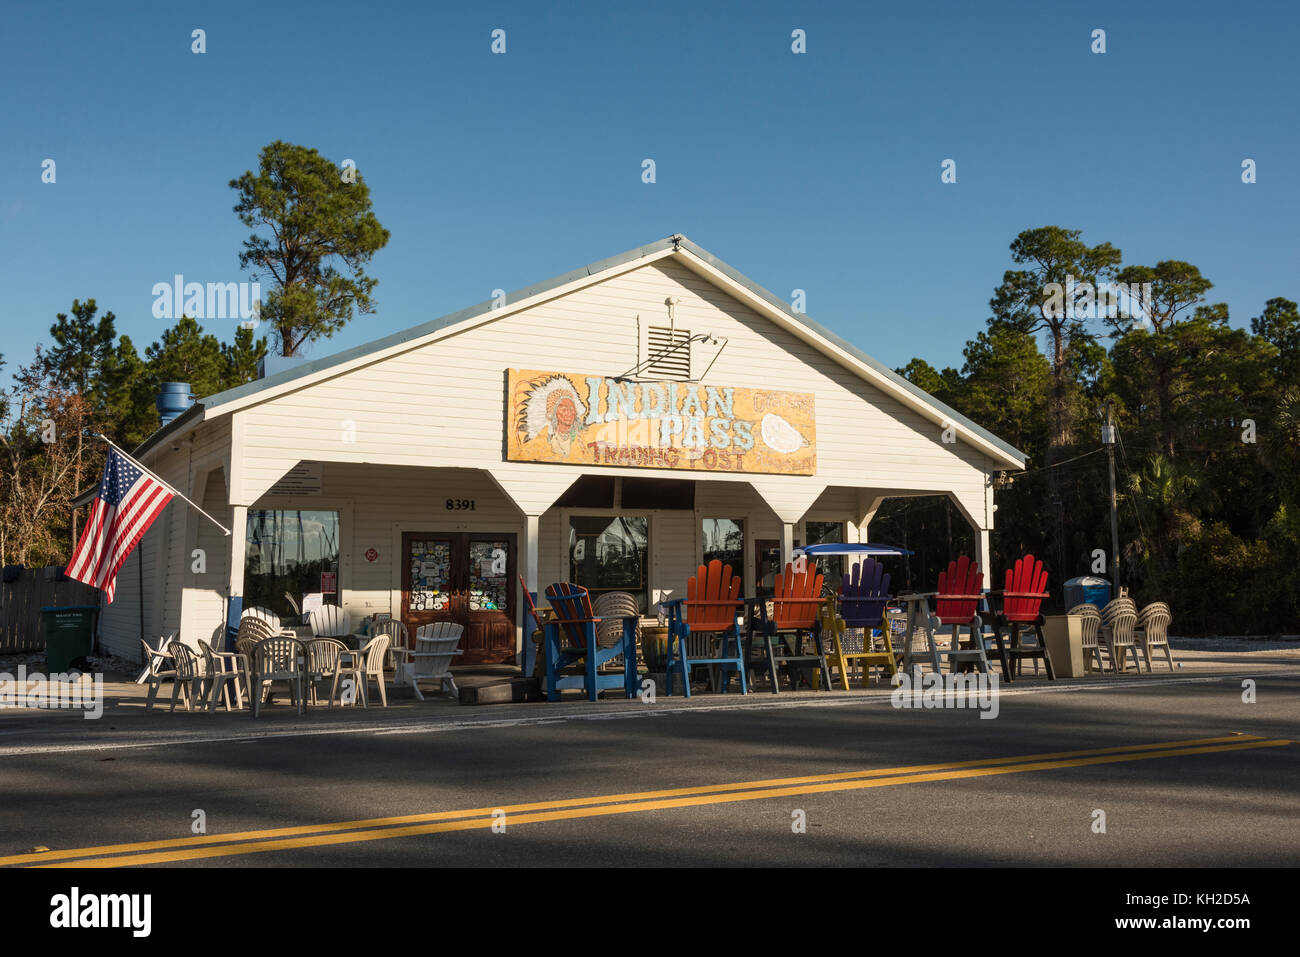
point(1118, 621)
point(435, 646)
point(189, 682)
point(158, 667)
point(399, 640)
point(276, 659)
point(262, 614)
point(219, 676)
point(613, 607)
point(330, 621)
point(365, 664)
point(324, 656)
point(1091, 634)
point(1153, 631)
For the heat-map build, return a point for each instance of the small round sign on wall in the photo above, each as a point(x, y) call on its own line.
point(371, 555)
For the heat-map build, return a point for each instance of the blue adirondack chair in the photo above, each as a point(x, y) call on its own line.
point(863, 598)
point(708, 611)
point(571, 637)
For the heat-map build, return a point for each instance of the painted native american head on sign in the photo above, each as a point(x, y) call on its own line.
point(553, 404)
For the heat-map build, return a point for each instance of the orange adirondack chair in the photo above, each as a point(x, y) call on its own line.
point(1022, 602)
point(796, 612)
point(957, 607)
point(571, 637)
point(706, 615)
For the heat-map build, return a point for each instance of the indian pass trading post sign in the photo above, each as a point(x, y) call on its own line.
point(591, 420)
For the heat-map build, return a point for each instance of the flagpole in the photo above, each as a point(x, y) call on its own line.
point(165, 485)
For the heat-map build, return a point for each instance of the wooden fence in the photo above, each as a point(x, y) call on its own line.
point(21, 602)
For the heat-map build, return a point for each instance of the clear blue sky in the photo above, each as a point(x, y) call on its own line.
point(818, 171)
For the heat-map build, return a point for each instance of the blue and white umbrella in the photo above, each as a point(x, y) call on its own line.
point(856, 549)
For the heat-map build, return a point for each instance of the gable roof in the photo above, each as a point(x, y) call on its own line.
point(694, 257)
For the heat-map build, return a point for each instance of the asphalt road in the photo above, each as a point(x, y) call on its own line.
point(1186, 774)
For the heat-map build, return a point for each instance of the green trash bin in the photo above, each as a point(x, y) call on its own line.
point(69, 635)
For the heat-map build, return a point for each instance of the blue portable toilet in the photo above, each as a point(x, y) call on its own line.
point(1087, 589)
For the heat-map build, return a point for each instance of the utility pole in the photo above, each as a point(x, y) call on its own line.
point(1108, 440)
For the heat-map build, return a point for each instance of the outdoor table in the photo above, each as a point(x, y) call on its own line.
point(755, 616)
point(918, 610)
point(918, 605)
point(758, 612)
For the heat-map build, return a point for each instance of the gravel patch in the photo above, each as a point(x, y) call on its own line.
point(34, 661)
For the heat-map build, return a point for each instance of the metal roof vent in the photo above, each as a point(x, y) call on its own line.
point(173, 400)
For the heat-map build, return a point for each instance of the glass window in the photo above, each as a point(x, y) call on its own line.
point(428, 583)
point(610, 553)
point(724, 539)
point(290, 551)
point(832, 566)
point(489, 584)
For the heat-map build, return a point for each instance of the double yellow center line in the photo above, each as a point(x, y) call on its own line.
point(384, 828)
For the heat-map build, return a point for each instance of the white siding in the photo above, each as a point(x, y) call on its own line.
point(119, 626)
point(204, 594)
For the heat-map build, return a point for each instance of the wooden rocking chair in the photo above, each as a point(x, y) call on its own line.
point(707, 614)
point(571, 637)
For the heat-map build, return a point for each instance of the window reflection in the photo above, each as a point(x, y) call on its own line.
point(609, 553)
point(290, 551)
point(724, 540)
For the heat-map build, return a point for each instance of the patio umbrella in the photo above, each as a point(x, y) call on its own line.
point(858, 549)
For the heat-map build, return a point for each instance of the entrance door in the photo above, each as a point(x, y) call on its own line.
point(463, 577)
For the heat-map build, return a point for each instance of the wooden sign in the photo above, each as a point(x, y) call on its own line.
point(593, 420)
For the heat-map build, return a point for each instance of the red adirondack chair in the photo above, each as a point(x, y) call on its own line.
point(571, 637)
point(957, 607)
point(1022, 602)
point(707, 614)
point(796, 612)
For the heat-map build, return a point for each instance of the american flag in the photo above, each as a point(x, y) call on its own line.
point(127, 503)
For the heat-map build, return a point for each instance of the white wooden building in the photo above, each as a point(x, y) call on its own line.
point(410, 476)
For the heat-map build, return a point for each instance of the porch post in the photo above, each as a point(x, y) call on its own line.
point(238, 545)
point(982, 530)
point(531, 536)
point(984, 556)
point(787, 543)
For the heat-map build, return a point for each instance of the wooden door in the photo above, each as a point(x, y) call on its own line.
point(429, 579)
point(463, 577)
point(490, 588)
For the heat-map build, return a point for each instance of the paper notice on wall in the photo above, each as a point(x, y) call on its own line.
point(329, 582)
point(303, 479)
